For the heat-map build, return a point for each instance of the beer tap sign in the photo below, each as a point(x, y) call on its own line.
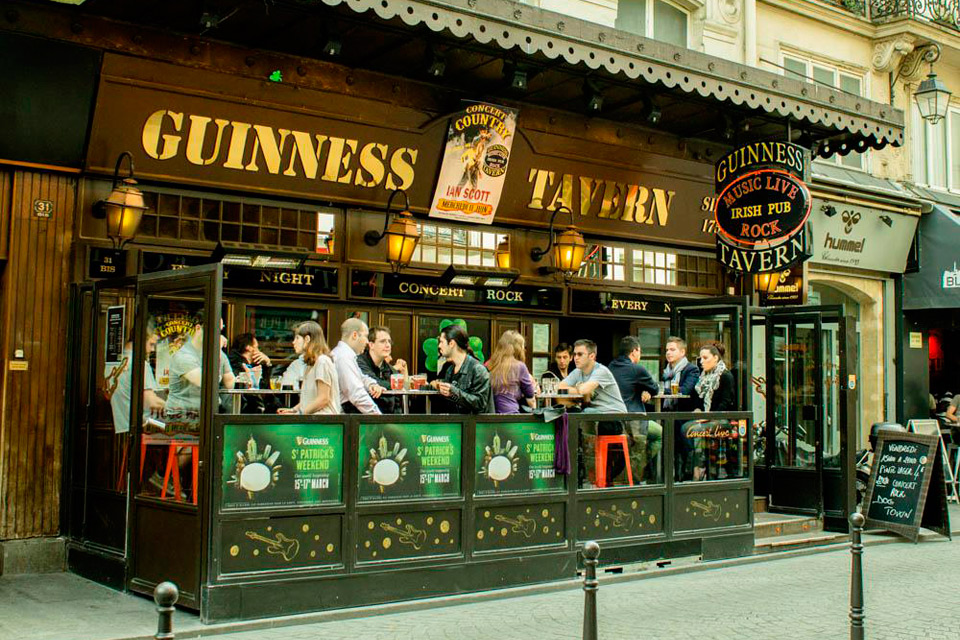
point(763, 207)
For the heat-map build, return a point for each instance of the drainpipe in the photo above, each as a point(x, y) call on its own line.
point(750, 32)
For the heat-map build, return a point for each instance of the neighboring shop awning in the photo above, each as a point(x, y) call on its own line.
point(937, 284)
point(860, 221)
point(837, 122)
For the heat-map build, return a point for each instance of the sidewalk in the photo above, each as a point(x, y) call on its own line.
point(800, 583)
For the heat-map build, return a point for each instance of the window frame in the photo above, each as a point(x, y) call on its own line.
point(921, 153)
point(839, 71)
point(649, 23)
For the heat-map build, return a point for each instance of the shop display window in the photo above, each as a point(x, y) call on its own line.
point(428, 332)
point(274, 327)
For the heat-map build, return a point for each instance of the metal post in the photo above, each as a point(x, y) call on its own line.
point(591, 551)
point(165, 595)
point(856, 578)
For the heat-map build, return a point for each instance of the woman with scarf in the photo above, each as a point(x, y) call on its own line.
point(716, 391)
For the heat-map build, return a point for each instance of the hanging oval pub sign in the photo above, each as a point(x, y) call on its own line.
point(762, 207)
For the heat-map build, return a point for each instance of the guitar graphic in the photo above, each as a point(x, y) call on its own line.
point(522, 524)
point(710, 510)
point(281, 546)
point(409, 535)
point(112, 379)
point(619, 519)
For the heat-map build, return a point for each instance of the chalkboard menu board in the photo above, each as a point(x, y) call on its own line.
point(906, 467)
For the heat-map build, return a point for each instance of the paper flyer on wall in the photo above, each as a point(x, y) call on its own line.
point(474, 163)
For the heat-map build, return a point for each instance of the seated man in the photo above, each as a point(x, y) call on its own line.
point(186, 378)
point(251, 364)
point(636, 387)
point(375, 366)
point(600, 395)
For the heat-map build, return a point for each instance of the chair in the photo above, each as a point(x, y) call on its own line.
point(932, 427)
point(172, 470)
point(600, 457)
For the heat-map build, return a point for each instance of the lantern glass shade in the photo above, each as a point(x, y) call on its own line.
point(402, 237)
point(766, 282)
point(568, 251)
point(503, 254)
point(933, 99)
point(124, 208)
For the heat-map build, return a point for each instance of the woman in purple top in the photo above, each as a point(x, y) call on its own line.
point(509, 378)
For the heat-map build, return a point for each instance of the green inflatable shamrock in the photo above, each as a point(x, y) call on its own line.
point(430, 345)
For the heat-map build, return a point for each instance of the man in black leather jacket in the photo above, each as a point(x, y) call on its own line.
point(463, 382)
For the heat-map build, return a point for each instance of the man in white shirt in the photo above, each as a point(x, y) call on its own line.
point(355, 390)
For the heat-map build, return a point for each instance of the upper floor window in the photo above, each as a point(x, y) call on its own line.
point(936, 151)
point(651, 267)
point(656, 19)
point(822, 73)
point(446, 245)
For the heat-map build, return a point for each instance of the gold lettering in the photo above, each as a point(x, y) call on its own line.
point(590, 192)
point(238, 145)
point(338, 161)
point(401, 164)
point(661, 205)
point(308, 155)
point(563, 196)
point(641, 207)
point(541, 179)
point(151, 135)
point(266, 144)
point(197, 137)
point(371, 165)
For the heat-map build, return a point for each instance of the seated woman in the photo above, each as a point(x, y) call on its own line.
point(320, 393)
point(716, 391)
point(509, 377)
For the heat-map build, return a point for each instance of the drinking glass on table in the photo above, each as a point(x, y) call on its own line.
point(275, 383)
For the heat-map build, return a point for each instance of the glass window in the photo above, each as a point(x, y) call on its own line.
point(274, 327)
point(712, 450)
point(325, 226)
point(632, 16)
point(850, 84)
point(824, 75)
point(444, 245)
point(795, 68)
point(604, 262)
point(669, 23)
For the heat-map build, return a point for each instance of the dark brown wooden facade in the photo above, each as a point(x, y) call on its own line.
point(34, 320)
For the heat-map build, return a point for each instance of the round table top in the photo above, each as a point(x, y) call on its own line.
point(410, 392)
point(561, 396)
point(258, 392)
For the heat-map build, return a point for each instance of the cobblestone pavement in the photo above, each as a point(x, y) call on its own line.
point(911, 592)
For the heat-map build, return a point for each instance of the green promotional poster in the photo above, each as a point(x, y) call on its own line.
point(516, 457)
point(409, 461)
point(290, 465)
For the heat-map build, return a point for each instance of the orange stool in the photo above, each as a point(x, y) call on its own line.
point(600, 457)
point(172, 471)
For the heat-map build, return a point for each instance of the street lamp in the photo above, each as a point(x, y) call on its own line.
point(402, 234)
point(933, 98)
point(124, 208)
point(568, 248)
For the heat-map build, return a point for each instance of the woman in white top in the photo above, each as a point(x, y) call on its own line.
point(320, 392)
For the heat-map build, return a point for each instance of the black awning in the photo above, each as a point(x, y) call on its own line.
point(937, 284)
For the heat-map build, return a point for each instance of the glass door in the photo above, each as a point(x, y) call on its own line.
point(719, 321)
point(794, 413)
point(178, 347)
point(810, 413)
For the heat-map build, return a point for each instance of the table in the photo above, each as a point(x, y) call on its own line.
point(406, 393)
point(237, 394)
point(658, 400)
point(550, 397)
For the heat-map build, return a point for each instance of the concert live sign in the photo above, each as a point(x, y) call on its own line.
point(762, 207)
point(475, 163)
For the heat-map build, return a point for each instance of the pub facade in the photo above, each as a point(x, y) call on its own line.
point(254, 155)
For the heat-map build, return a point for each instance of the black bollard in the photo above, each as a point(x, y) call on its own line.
point(591, 551)
point(165, 595)
point(856, 577)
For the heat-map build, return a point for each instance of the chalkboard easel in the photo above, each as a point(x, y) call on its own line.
point(906, 466)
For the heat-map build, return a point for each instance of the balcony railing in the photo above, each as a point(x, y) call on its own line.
point(941, 12)
point(853, 6)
